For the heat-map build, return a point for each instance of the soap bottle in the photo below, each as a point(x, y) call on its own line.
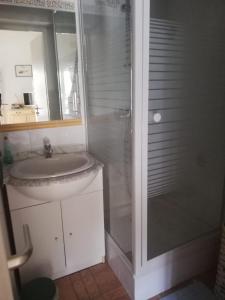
point(7, 154)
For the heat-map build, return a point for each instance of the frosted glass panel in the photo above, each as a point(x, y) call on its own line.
point(186, 148)
point(108, 82)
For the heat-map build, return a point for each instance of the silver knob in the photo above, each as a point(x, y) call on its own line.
point(126, 115)
point(56, 238)
point(70, 233)
point(157, 117)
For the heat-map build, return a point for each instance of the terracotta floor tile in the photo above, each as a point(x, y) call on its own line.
point(100, 283)
point(90, 284)
point(106, 281)
point(79, 287)
point(100, 268)
point(116, 294)
point(95, 283)
point(65, 289)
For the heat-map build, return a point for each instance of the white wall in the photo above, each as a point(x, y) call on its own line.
point(61, 138)
point(15, 50)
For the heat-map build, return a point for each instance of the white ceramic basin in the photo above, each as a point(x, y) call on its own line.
point(53, 179)
point(58, 165)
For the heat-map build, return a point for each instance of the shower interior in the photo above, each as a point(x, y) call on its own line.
point(186, 148)
point(182, 165)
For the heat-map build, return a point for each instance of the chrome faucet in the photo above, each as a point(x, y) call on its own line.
point(48, 151)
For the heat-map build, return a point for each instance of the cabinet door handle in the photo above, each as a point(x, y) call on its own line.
point(70, 233)
point(17, 261)
point(56, 238)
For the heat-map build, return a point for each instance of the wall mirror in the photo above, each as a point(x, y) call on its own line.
point(38, 66)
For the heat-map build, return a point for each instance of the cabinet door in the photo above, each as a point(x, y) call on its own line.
point(45, 225)
point(83, 224)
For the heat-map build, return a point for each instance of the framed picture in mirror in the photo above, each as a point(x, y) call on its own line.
point(23, 70)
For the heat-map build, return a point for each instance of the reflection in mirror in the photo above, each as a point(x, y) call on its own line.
point(65, 36)
point(38, 65)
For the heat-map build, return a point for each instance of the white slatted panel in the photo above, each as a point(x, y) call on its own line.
point(187, 87)
point(186, 148)
point(167, 139)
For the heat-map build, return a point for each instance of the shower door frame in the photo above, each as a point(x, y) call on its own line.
point(156, 275)
point(81, 67)
point(140, 19)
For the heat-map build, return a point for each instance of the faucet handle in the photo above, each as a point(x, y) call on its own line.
point(47, 147)
point(46, 141)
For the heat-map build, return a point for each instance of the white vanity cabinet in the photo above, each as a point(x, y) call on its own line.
point(83, 242)
point(47, 238)
point(67, 235)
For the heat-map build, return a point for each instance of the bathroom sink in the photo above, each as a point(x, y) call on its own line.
point(58, 165)
point(52, 179)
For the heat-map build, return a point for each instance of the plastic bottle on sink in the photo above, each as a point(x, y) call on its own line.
point(7, 154)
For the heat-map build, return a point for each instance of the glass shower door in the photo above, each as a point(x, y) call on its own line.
point(106, 26)
point(186, 149)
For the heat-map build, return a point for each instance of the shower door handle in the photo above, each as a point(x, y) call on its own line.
point(127, 114)
point(16, 261)
point(155, 116)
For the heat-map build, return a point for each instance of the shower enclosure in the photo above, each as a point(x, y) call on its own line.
point(154, 83)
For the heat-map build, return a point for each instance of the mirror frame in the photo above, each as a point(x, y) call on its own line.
point(39, 125)
point(64, 5)
point(60, 5)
